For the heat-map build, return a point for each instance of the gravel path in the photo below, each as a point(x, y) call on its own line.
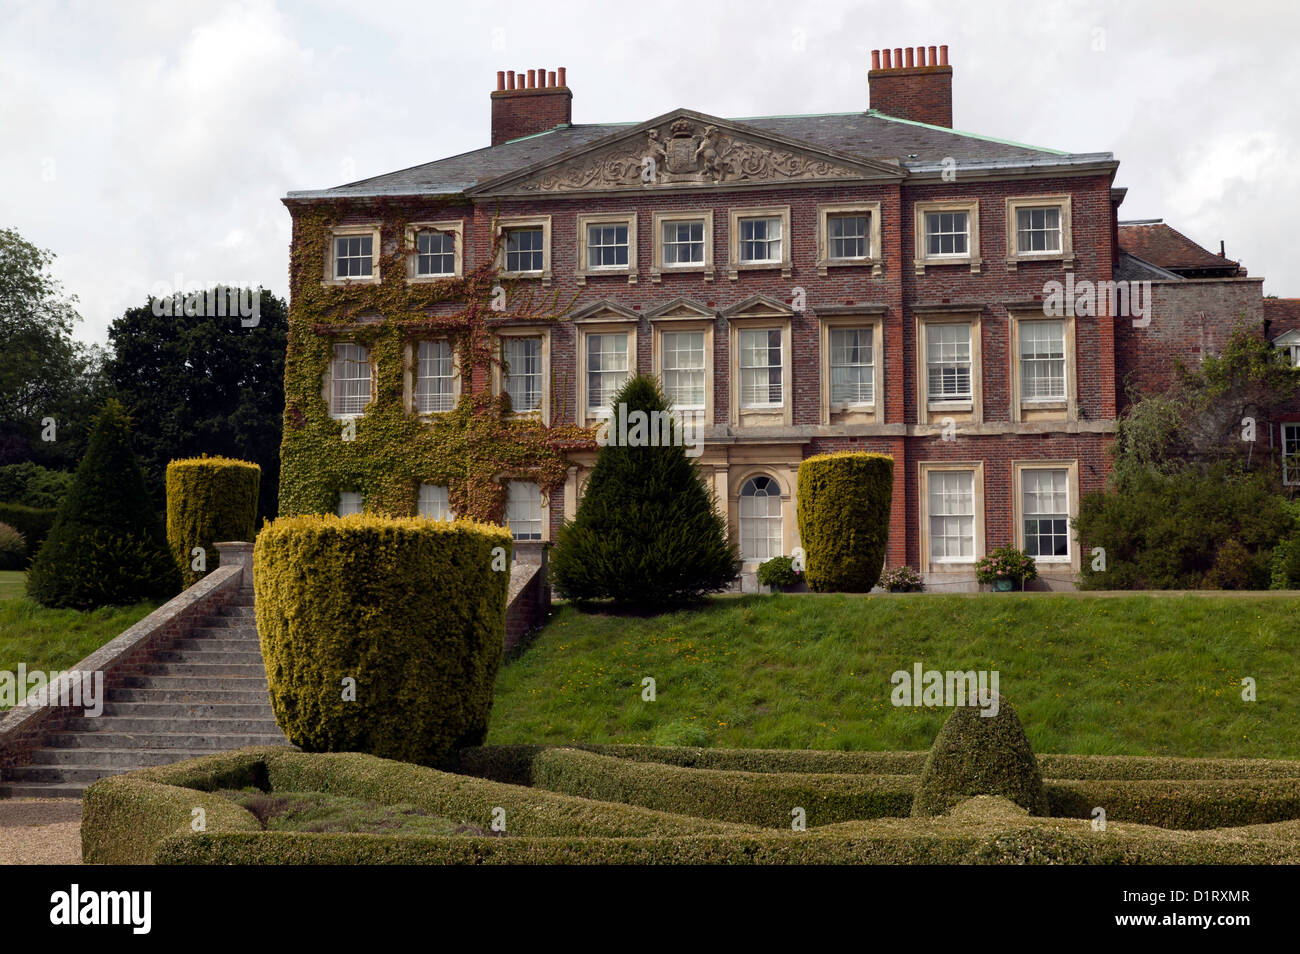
point(40, 831)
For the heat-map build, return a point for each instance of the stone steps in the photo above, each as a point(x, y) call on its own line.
point(204, 692)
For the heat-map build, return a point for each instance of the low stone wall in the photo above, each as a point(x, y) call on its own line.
point(528, 601)
point(26, 726)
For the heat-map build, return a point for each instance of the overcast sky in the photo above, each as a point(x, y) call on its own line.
point(144, 140)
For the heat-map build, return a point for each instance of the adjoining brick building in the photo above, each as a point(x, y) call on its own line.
point(873, 281)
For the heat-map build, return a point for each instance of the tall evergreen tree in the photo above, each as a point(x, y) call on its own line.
point(107, 546)
point(647, 533)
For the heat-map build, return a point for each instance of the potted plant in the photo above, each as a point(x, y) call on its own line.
point(1006, 568)
point(902, 579)
point(779, 573)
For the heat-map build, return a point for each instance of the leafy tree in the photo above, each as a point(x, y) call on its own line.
point(647, 533)
point(44, 373)
point(107, 545)
point(201, 383)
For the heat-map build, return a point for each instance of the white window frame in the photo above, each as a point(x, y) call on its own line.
point(543, 515)
point(658, 220)
point(429, 498)
point(333, 379)
point(413, 375)
point(498, 373)
point(371, 230)
point(833, 412)
point(687, 323)
point(453, 227)
point(585, 269)
point(924, 470)
point(1071, 468)
point(923, 258)
point(828, 211)
point(768, 331)
point(1014, 205)
point(585, 331)
point(742, 538)
point(735, 217)
point(1290, 476)
point(1023, 409)
point(930, 408)
point(350, 502)
point(503, 225)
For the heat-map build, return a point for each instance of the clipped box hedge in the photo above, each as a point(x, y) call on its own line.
point(209, 499)
point(1187, 804)
point(382, 635)
point(844, 507)
point(147, 816)
point(753, 798)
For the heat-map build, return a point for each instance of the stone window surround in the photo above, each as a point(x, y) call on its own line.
point(340, 231)
point(599, 325)
point(499, 227)
point(659, 325)
point(1063, 410)
point(456, 227)
point(657, 220)
point(505, 478)
point(1065, 256)
point(542, 331)
point(410, 361)
point(928, 411)
point(759, 322)
point(1071, 466)
point(924, 469)
point(922, 256)
point(583, 271)
point(873, 412)
point(824, 213)
point(734, 265)
point(785, 478)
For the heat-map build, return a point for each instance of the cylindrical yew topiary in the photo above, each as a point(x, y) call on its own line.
point(381, 635)
point(209, 499)
point(844, 506)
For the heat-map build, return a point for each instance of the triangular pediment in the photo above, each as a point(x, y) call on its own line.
point(681, 308)
point(684, 150)
point(1292, 337)
point(604, 310)
point(758, 306)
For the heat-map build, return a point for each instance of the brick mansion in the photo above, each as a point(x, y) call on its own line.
point(873, 281)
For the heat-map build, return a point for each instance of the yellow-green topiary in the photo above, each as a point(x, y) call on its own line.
point(209, 499)
point(381, 635)
point(844, 507)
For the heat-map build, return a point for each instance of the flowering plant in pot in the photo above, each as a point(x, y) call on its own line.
point(1006, 568)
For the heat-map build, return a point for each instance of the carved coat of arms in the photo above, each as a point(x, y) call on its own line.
point(688, 155)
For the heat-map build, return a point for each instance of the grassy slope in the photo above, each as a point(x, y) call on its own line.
point(52, 640)
point(1136, 675)
point(13, 584)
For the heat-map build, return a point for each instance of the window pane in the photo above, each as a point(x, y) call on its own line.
point(435, 253)
point(947, 233)
point(434, 380)
point(1045, 503)
point(607, 369)
point(683, 368)
point(349, 502)
point(683, 243)
point(607, 246)
point(434, 502)
point(848, 236)
point(1291, 453)
point(524, 510)
point(353, 256)
point(1042, 360)
point(1038, 229)
point(948, 361)
point(524, 250)
point(760, 519)
point(852, 371)
point(760, 368)
point(760, 240)
point(350, 376)
point(523, 371)
point(952, 514)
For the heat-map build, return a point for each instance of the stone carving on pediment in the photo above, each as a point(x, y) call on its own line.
point(691, 153)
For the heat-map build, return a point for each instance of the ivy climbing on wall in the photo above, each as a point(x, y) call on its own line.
point(472, 449)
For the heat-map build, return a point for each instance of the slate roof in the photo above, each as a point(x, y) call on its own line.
point(1166, 247)
point(869, 135)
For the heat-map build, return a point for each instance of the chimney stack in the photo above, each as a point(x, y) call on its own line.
point(529, 101)
point(916, 85)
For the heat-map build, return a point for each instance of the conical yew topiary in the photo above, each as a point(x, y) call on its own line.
point(647, 533)
point(976, 754)
point(107, 545)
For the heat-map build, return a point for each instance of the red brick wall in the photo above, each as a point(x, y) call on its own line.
point(922, 94)
point(523, 112)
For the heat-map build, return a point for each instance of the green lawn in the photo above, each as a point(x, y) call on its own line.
point(1137, 675)
point(52, 640)
point(13, 584)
